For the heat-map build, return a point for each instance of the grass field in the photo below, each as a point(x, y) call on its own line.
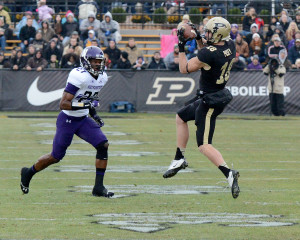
point(195, 204)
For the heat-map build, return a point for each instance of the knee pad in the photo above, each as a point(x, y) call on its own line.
point(102, 151)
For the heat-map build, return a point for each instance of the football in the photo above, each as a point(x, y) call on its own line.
point(189, 33)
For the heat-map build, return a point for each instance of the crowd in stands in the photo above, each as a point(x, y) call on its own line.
point(55, 41)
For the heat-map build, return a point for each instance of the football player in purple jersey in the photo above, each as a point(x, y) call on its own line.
point(78, 116)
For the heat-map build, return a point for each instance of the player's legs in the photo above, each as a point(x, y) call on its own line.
point(184, 115)
point(65, 128)
point(205, 122)
point(91, 133)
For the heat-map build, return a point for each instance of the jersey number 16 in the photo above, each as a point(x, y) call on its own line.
point(225, 72)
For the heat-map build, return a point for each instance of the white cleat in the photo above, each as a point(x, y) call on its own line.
point(175, 166)
point(233, 183)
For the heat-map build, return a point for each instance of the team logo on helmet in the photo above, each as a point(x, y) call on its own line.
point(219, 28)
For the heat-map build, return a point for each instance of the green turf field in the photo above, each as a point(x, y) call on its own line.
point(195, 204)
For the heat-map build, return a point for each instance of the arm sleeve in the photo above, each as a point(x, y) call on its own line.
point(70, 88)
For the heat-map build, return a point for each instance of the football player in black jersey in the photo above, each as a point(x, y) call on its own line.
point(215, 60)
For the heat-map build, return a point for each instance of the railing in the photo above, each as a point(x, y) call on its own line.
point(144, 13)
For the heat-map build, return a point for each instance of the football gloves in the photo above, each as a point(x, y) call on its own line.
point(93, 114)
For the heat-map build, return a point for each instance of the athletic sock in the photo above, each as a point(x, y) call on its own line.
point(99, 177)
point(224, 169)
point(31, 171)
point(179, 153)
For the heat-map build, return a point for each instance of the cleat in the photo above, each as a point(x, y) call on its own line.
point(233, 183)
point(102, 192)
point(175, 167)
point(25, 180)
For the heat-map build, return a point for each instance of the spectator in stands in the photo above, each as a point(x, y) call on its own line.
point(4, 63)
point(37, 62)
point(242, 48)
point(90, 23)
point(18, 62)
point(190, 48)
point(38, 42)
point(108, 64)
point(259, 22)
point(292, 42)
point(58, 25)
point(256, 47)
point(8, 33)
point(248, 21)
point(201, 29)
point(84, 8)
point(31, 51)
point(23, 22)
point(68, 27)
point(53, 63)
point(123, 62)
point(2, 40)
point(297, 19)
point(91, 37)
point(254, 65)
point(205, 20)
point(4, 14)
point(295, 66)
point(291, 31)
point(140, 64)
point(185, 19)
point(73, 44)
point(172, 59)
point(271, 28)
point(47, 31)
point(284, 23)
point(95, 43)
point(109, 29)
point(59, 44)
point(79, 41)
point(294, 52)
point(254, 29)
point(113, 52)
point(65, 18)
point(284, 60)
point(238, 65)
point(281, 34)
point(132, 50)
point(70, 59)
point(51, 50)
point(234, 31)
point(27, 34)
point(273, 51)
point(157, 62)
point(218, 8)
point(45, 12)
point(284, 12)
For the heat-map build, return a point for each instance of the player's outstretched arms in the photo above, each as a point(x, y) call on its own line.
point(193, 65)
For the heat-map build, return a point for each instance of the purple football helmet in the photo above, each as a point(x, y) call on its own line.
point(92, 53)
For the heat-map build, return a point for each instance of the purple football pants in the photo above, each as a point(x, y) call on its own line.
point(66, 126)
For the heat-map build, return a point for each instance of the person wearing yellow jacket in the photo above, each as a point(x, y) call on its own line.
point(4, 14)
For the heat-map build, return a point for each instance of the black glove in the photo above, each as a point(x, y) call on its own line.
point(181, 40)
point(93, 114)
point(280, 74)
point(198, 36)
point(98, 120)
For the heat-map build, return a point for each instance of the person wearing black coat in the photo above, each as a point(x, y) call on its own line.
point(113, 52)
point(27, 34)
point(52, 49)
point(68, 28)
point(123, 62)
point(157, 62)
point(18, 62)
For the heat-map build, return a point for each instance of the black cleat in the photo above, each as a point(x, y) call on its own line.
point(102, 192)
point(25, 180)
point(175, 167)
point(233, 183)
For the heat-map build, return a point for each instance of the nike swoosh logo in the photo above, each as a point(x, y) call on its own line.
point(37, 98)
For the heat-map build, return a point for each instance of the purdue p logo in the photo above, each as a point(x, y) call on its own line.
point(168, 88)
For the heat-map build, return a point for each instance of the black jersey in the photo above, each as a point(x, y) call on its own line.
point(220, 60)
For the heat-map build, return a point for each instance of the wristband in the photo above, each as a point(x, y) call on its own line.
point(80, 105)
